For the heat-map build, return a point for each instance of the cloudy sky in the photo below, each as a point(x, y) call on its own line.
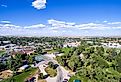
point(60, 17)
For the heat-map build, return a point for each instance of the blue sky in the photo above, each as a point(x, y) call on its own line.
point(60, 17)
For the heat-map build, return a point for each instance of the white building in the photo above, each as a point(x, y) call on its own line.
point(59, 54)
point(111, 45)
point(2, 47)
point(72, 44)
point(23, 67)
point(6, 42)
point(8, 47)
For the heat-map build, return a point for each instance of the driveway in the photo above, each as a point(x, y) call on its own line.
point(62, 73)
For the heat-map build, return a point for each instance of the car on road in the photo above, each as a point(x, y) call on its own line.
point(65, 81)
point(69, 75)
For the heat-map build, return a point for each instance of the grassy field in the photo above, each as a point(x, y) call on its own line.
point(2, 52)
point(51, 72)
point(66, 50)
point(22, 77)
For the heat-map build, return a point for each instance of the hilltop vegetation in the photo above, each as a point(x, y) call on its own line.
point(92, 64)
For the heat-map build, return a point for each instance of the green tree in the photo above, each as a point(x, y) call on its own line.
point(41, 76)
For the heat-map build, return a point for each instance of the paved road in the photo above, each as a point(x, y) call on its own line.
point(59, 70)
point(60, 75)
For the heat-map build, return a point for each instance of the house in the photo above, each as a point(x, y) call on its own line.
point(39, 58)
point(90, 42)
point(2, 47)
point(18, 49)
point(23, 68)
point(72, 44)
point(13, 53)
point(76, 80)
point(31, 43)
point(6, 42)
point(10, 46)
point(111, 45)
point(32, 79)
point(81, 56)
point(59, 54)
point(0, 42)
point(28, 50)
point(23, 50)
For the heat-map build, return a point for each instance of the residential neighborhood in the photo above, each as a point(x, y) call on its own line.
point(60, 40)
point(47, 60)
point(39, 60)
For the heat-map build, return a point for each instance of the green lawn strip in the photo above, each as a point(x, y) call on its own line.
point(113, 72)
point(21, 77)
point(102, 61)
point(2, 52)
point(66, 50)
point(51, 72)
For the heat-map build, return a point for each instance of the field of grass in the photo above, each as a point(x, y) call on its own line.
point(22, 77)
point(2, 52)
point(51, 72)
point(113, 72)
point(66, 50)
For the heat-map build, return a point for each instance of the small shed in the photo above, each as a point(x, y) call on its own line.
point(24, 67)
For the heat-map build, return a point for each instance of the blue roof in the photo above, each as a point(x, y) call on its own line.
point(39, 58)
point(77, 80)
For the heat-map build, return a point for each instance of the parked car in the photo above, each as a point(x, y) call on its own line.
point(65, 79)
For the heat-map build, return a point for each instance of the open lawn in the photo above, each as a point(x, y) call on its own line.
point(66, 50)
point(113, 72)
point(1, 52)
point(51, 72)
point(22, 77)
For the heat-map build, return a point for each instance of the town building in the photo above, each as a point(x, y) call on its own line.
point(111, 45)
point(72, 44)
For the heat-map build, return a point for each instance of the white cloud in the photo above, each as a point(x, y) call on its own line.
point(105, 21)
point(4, 5)
point(94, 26)
point(55, 27)
point(88, 25)
point(36, 26)
point(4, 21)
point(12, 26)
point(114, 23)
point(39, 4)
point(85, 26)
point(56, 24)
